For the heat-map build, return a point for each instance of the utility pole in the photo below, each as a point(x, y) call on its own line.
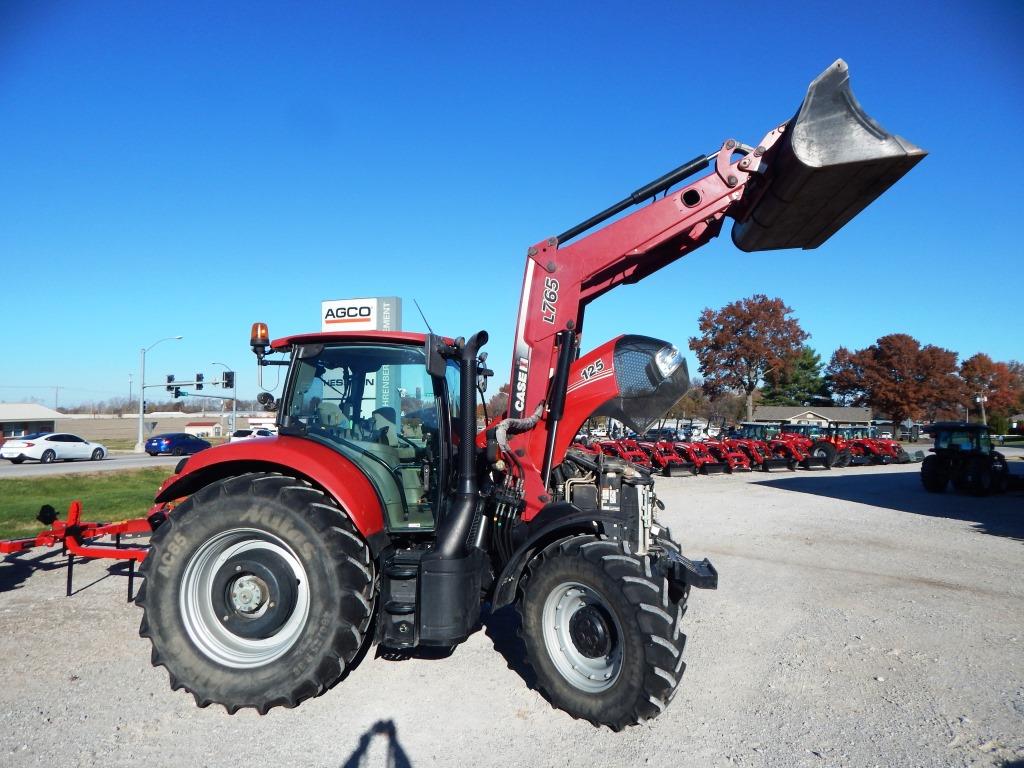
point(140, 443)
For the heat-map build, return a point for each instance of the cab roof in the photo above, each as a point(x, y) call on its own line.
point(326, 337)
point(960, 426)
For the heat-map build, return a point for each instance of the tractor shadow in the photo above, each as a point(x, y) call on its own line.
point(393, 757)
point(502, 628)
point(996, 515)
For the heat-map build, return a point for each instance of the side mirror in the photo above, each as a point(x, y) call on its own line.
point(435, 361)
point(267, 401)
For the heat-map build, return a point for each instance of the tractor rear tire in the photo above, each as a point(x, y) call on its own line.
point(934, 476)
point(602, 631)
point(982, 479)
point(259, 592)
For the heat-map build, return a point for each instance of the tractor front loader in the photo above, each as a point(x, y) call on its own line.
point(382, 513)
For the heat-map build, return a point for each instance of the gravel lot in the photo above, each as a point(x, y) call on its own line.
point(859, 622)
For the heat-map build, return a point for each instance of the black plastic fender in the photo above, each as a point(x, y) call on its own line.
point(554, 523)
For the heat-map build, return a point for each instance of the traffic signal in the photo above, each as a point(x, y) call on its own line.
point(175, 392)
point(170, 383)
point(228, 380)
point(199, 381)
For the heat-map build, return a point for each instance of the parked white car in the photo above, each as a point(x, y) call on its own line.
point(47, 447)
point(249, 434)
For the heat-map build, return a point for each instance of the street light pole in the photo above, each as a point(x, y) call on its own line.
point(140, 442)
point(234, 397)
point(981, 400)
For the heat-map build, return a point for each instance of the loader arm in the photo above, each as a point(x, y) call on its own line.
point(800, 184)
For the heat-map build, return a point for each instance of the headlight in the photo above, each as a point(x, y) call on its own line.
point(668, 359)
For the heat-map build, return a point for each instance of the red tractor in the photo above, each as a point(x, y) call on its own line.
point(793, 449)
point(663, 456)
point(733, 458)
point(696, 453)
point(380, 517)
point(877, 450)
point(765, 455)
point(627, 450)
point(822, 447)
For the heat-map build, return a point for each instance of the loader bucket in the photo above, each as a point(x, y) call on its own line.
point(714, 468)
point(831, 162)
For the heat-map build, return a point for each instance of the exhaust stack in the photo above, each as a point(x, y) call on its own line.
point(832, 161)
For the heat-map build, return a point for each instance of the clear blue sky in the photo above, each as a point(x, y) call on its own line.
point(193, 167)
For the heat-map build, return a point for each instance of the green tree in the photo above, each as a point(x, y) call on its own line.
point(802, 385)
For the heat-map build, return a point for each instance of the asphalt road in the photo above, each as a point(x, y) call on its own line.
point(113, 463)
point(859, 622)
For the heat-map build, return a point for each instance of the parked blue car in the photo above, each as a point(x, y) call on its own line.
point(176, 444)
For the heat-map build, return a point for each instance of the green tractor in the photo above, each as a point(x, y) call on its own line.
point(963, 455)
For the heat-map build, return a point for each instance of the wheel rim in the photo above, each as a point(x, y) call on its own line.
point(244, 598)
point(97, 455)
point(582, 636)
point(48, 457)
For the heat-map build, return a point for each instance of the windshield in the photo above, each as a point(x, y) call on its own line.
point(963, 440)
point(377, 405)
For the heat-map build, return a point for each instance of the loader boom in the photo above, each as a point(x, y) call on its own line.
point(561, 278)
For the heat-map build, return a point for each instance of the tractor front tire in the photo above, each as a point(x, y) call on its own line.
point(602, 631)
point(258, 593)
point(934, 475)
point(825, 451)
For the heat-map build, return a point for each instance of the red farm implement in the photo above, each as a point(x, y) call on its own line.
point(81, 539)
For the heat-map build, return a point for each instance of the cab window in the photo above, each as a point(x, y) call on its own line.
point(377, 405)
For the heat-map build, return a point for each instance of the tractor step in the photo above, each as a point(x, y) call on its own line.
point(682, 570)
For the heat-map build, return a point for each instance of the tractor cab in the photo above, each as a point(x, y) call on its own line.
point(370, 398)
point(963, 456)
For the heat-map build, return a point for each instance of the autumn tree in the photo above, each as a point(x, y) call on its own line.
point(995, 381)
point(743, 341)
point(896, 376)
point(691, 405)
point(498, 403)
point(803, 384)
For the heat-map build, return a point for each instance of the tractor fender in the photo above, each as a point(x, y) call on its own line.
point(328, 470)
point(555, 523)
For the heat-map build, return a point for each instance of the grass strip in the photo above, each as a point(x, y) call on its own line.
point(105, 497)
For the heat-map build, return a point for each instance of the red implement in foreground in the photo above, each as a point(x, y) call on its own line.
point(79, 538)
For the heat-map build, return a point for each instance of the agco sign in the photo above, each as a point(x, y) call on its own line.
point(372, 314)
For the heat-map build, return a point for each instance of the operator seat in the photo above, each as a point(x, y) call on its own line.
point(386, 421)
point(331, 416)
